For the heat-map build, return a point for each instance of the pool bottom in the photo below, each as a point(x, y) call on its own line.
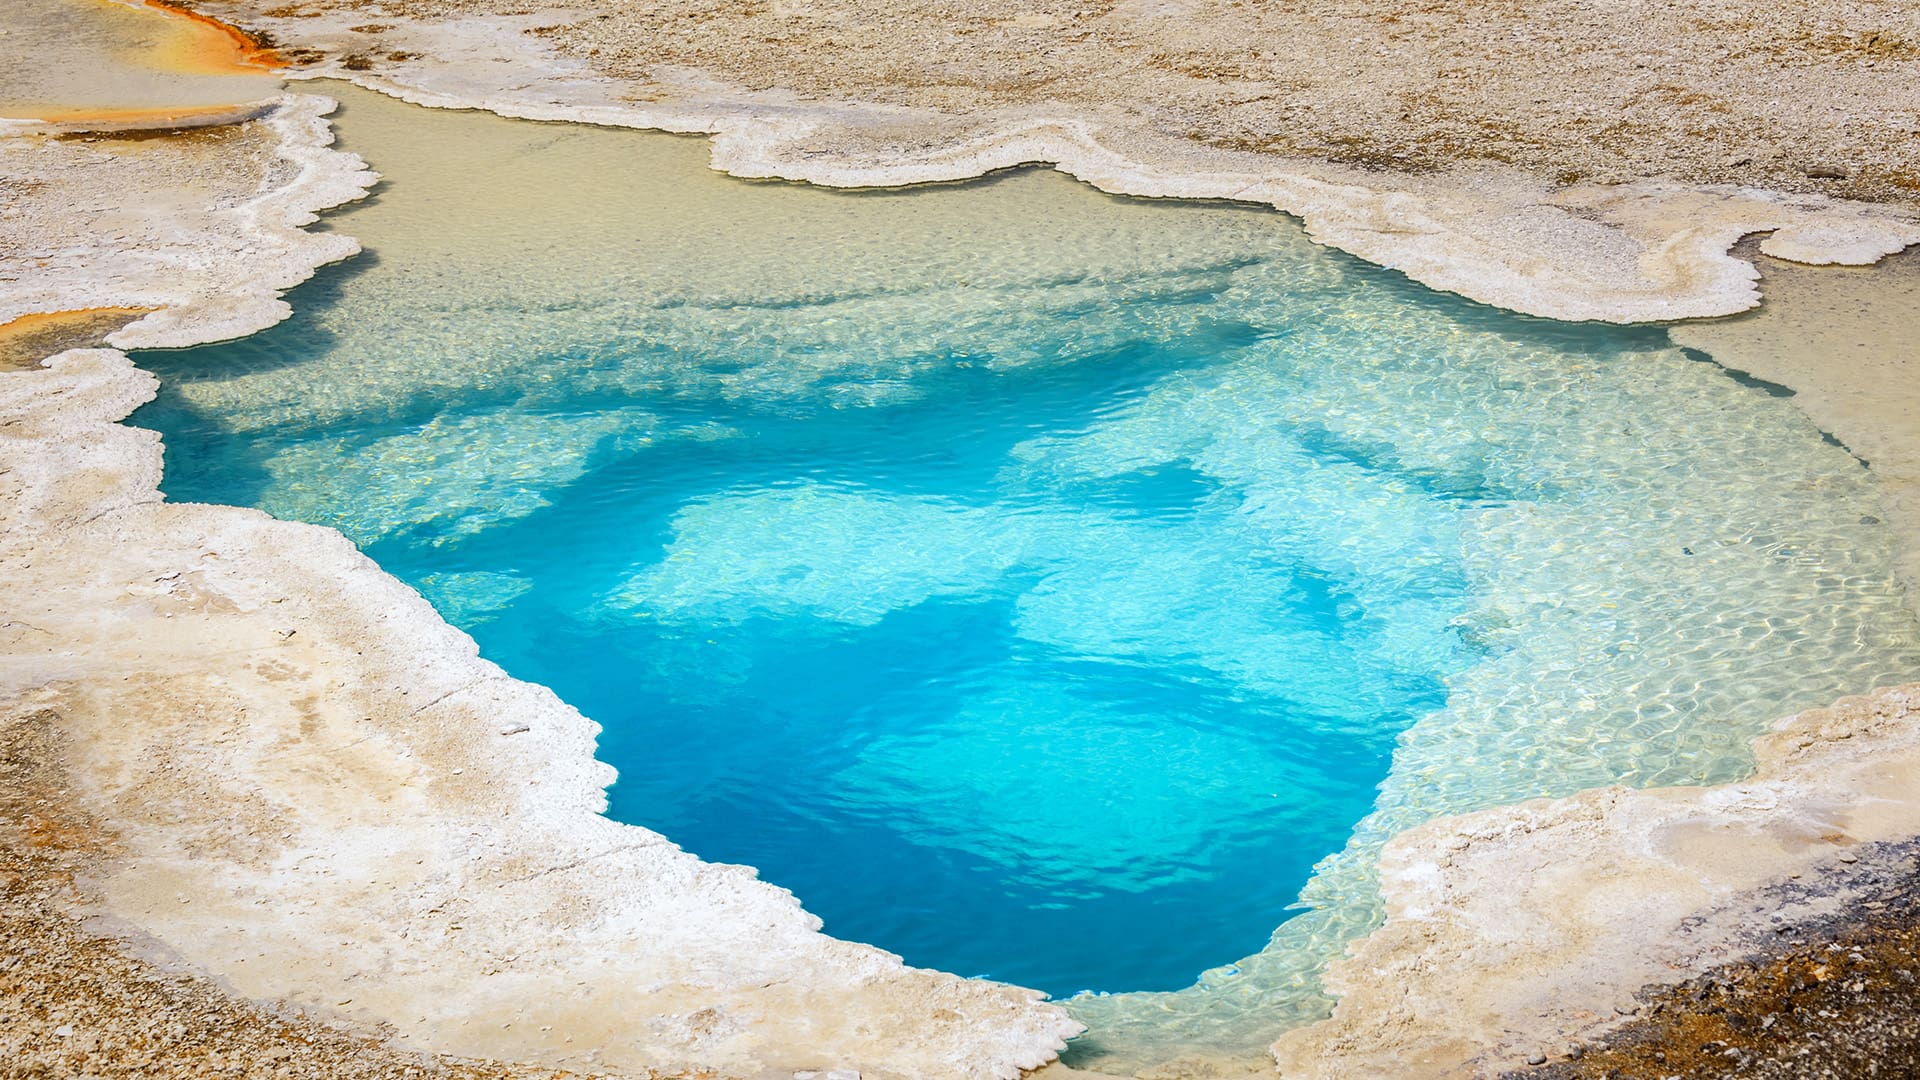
point(1840, 339)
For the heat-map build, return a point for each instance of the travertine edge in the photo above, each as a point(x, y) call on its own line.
point(1514, 934)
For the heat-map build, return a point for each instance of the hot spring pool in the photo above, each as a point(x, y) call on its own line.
point(1042, 585)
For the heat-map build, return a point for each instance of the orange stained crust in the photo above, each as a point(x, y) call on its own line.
point(154, 119)
point(186, 43)
point(29, 339)
point(217, 48)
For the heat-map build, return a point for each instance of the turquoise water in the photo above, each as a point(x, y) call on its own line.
point(1041, 585)
point(1073, 731)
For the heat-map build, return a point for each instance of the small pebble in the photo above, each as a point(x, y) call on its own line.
point(1536, 1058)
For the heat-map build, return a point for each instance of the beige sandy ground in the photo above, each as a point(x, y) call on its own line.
point(76, 1002)
point(1763, 93)
point(314, 790)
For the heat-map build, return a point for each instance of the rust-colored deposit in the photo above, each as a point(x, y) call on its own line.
point(120, 65)
point(163, 119)
point(212, 47)
point(29, 339)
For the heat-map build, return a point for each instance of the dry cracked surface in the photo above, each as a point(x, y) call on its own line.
point(78, 1002)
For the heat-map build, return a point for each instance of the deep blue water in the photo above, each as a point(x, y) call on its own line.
point(1062, 813)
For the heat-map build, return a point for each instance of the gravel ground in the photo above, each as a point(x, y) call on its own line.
point(1838, 999)
point(1775, 93)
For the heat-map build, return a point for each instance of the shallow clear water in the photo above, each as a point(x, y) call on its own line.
point(1038, 583)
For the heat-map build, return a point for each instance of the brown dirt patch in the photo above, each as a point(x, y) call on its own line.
point(30, 339)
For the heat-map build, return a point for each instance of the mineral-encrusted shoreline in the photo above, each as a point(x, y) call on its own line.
point(77, 1002)
point(1516, 934)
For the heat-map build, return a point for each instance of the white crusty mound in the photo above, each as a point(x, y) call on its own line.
point(318, 792)
point(204, 225)
point(1513, 933)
